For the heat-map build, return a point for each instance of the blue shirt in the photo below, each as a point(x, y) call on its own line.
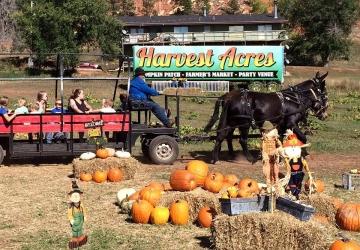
point(57, 110)
point(3, 110)
point(139, 90)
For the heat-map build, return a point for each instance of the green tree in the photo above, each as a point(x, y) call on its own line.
point(320, 29)
point(186, 7)
point(67, 26)
point(233, 7)
point(258, 7)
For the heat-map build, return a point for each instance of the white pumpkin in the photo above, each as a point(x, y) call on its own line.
point(87, 156)
point(110, 151)
point(124, 194)
point(122, 154)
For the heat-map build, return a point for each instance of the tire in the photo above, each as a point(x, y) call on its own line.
point(163, 149)
point(2, 154)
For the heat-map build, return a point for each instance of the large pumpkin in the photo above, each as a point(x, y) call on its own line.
point(115, 174)
point(231, 179)
point(159, 215)
point(182, 180)
point(141, 211)
point(179, 212)
point(348, 217)
point(214, 182)
point(199, 169)
point(99, 176)
point(205, 216)
point(85, 176)
point(250, 184)
point(102, 153)
point(320, 186)
point(345, 244)
point(151, 195)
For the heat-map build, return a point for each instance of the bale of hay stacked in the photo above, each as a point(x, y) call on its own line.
point(269, 231)
point(128, 166)
point(324, 205)
point(196, 198)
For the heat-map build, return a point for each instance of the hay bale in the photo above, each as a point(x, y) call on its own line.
point(128, 166)
point(324, 205)
point(269, 231)
point(196, 198)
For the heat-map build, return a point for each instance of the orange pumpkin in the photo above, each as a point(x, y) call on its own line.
point(226, 185)
point(179, 212)
point(151, 195)
point(102, 153)
point(199, 169)
point(156, 185)
point(348, 217)
point(85, 176)
point(245, 193)
point(141, 211)
point(231, 179)
point(115, 174)
point(214, 182)
point(250, 184)
point(182, 180)
point(99, 176)
point(345, 244)
point(205, 216)
point(320, 186)
point(135, 196)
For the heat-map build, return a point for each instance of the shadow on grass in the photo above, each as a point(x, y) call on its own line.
point(205, 242)
point(38, 161)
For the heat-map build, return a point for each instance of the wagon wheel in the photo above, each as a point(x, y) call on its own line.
point(2, 154)
point(163, 149)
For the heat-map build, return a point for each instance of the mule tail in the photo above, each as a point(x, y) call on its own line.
point(215, 115)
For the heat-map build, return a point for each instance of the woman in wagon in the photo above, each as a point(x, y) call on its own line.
point(4, 111)
point(77, 103)
point(140, 91)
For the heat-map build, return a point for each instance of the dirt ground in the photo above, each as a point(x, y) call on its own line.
point(34, 203)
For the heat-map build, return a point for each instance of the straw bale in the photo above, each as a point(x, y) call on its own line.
point(128, 166)
point(196, 198)
point(323, 204)
point(269, 231)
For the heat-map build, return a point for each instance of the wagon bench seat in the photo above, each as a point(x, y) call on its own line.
point(35, 123)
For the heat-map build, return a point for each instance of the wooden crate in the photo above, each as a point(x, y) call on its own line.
point(351, 181)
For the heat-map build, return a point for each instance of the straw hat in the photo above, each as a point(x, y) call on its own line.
point(267, 126)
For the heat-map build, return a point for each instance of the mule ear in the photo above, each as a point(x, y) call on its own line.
point(323, 76)
point(317, 75)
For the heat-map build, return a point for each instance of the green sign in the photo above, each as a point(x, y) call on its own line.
point(211, 62)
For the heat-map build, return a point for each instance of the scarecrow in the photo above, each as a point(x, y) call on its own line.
point(295, 163)
point(76, 216)
point(270, 148)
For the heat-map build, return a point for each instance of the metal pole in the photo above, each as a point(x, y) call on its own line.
point(57, 74)
point(61, 61)
point(117, 80)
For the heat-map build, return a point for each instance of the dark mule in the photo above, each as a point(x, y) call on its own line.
point(243, 109)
